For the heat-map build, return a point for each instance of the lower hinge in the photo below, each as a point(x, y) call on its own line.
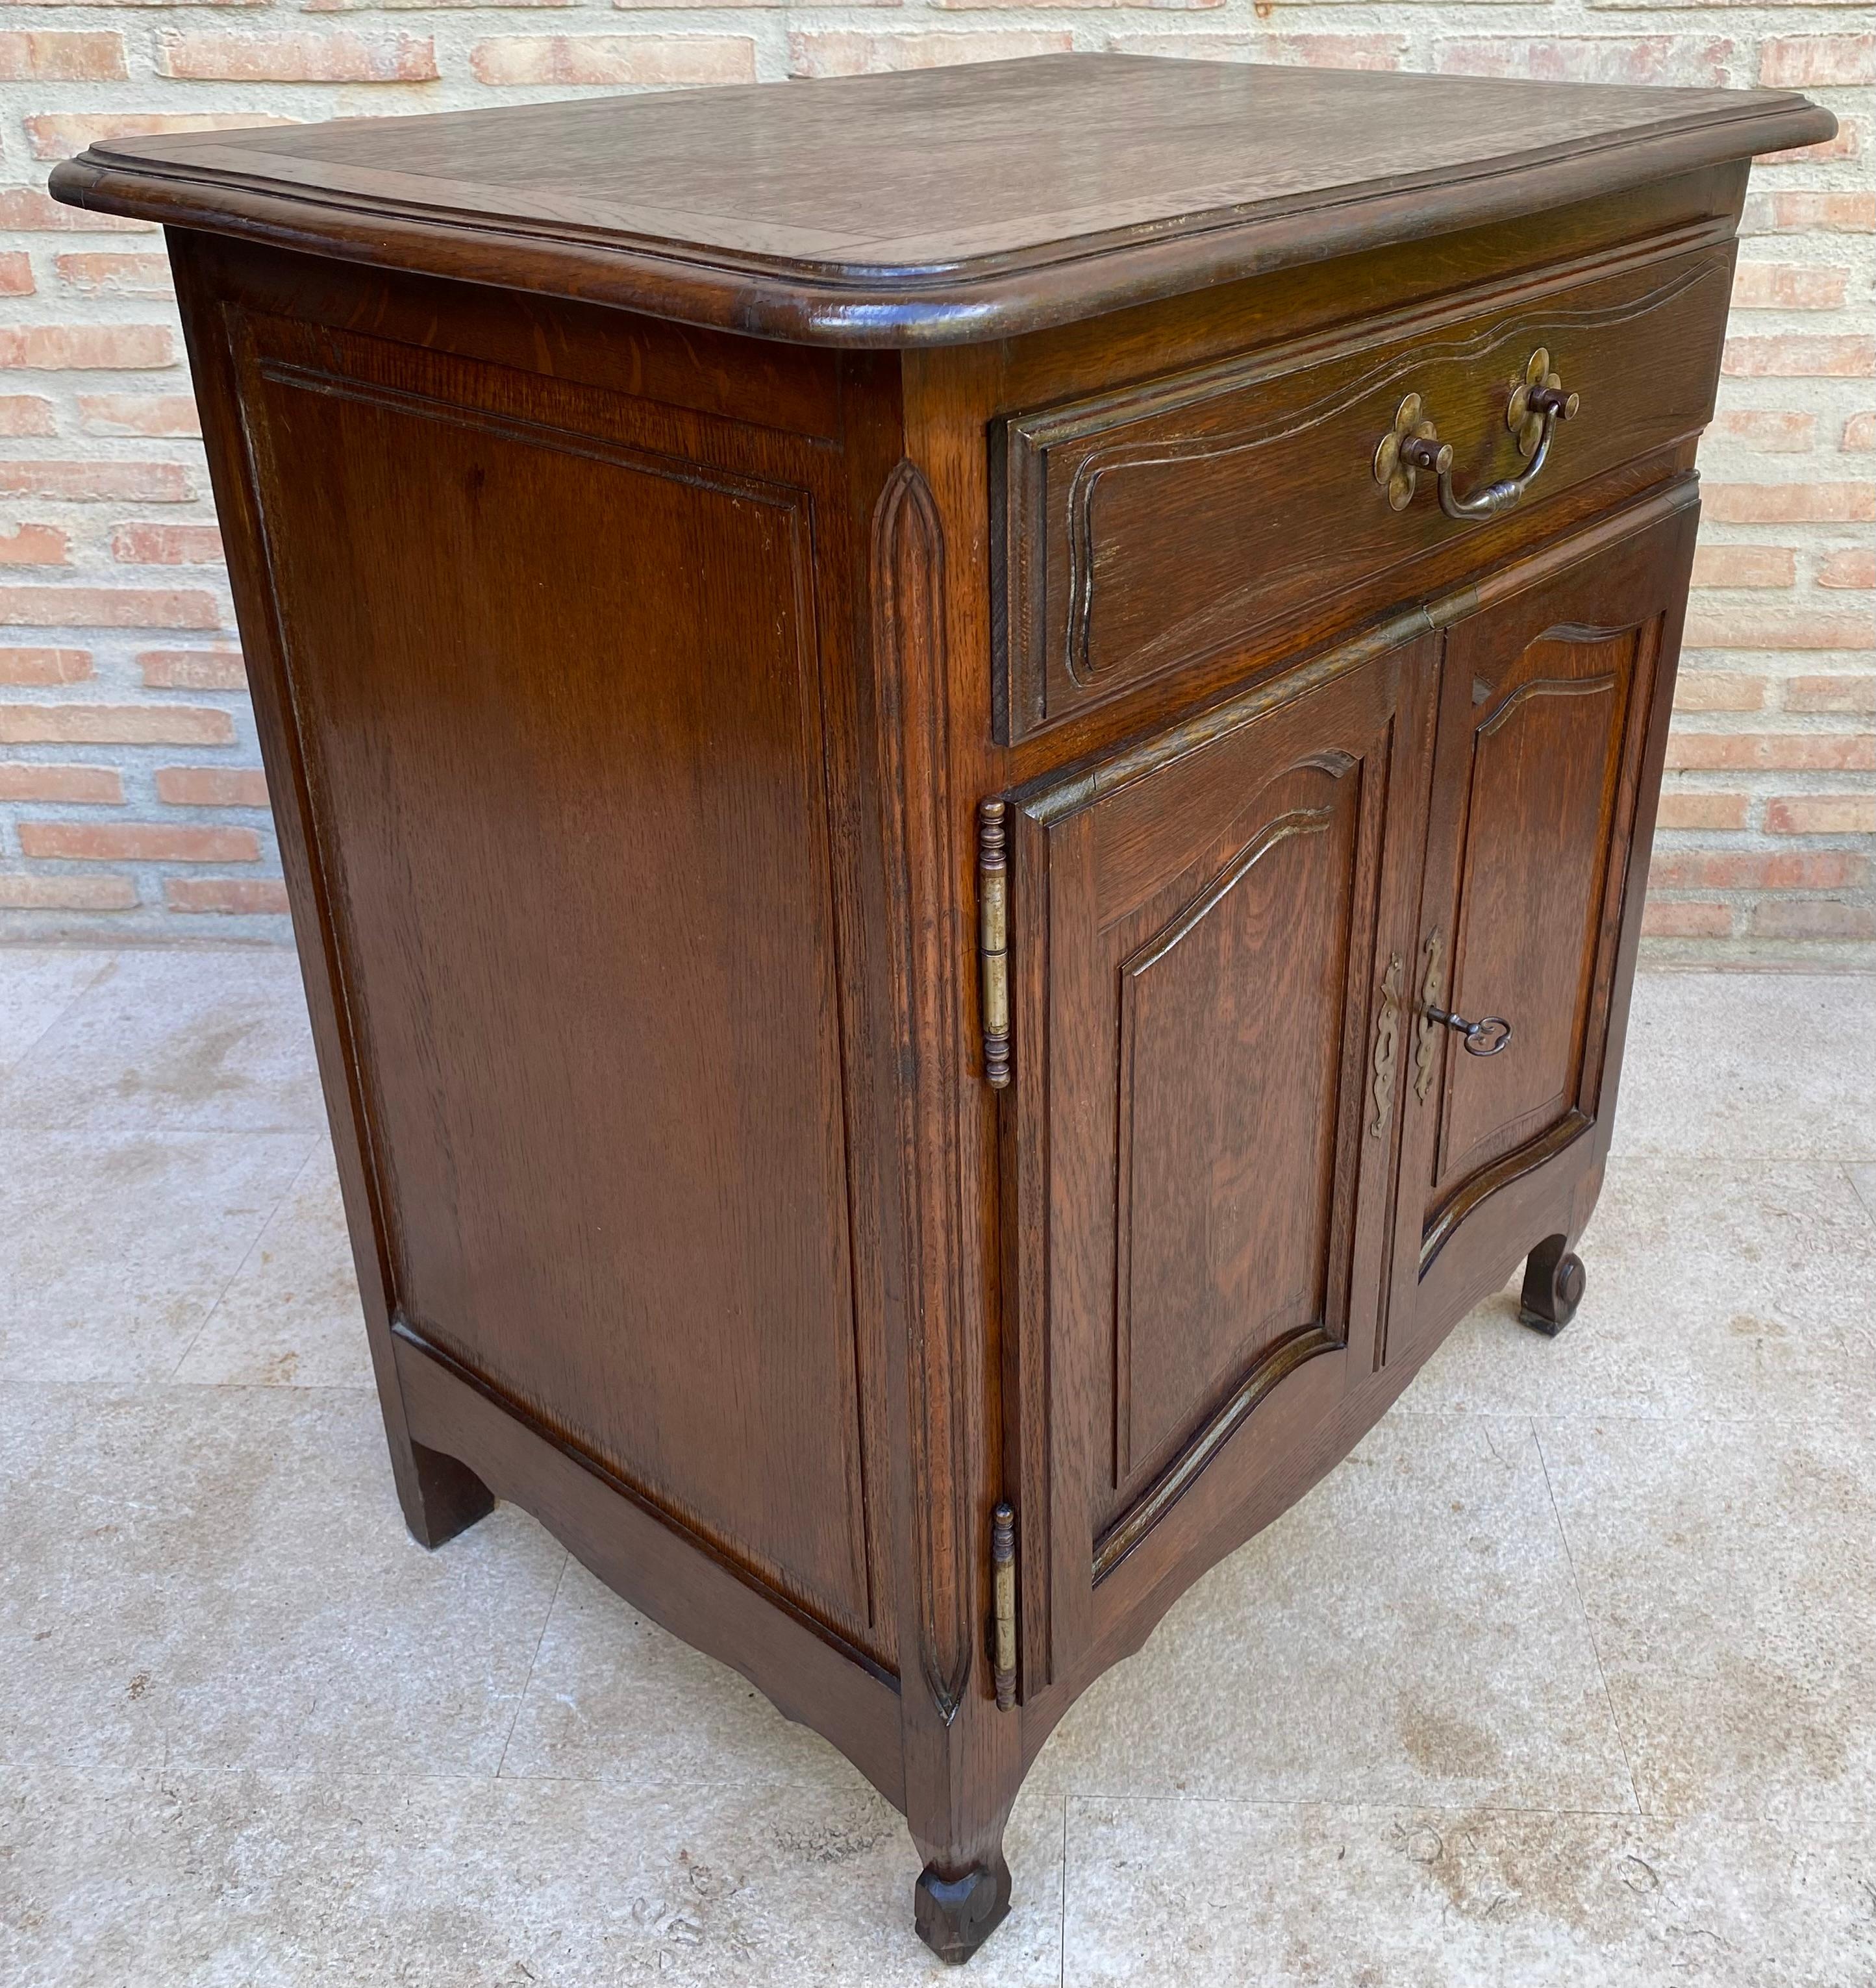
point(993, 939)
point(1003, 1605)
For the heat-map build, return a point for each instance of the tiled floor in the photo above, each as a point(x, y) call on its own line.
point(1568, 1676)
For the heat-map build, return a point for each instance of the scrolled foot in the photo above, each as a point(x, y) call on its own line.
point(1553, 1282)
point(954, 1916)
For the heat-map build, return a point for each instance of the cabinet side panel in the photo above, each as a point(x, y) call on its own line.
point(559, 699)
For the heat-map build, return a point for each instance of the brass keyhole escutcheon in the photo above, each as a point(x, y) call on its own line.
point(1392, 469)
point(1539, 388)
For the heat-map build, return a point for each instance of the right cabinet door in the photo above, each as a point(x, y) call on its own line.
point(1553, 702)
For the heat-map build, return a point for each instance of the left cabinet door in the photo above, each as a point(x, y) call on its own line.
point(1212, 934)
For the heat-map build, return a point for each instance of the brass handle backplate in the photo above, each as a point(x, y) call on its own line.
point(1386, 1046)
point(1536, 404)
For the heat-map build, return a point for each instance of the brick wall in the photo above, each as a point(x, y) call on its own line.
point(131, 803)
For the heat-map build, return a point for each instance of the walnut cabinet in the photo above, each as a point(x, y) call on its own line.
point(966, 764)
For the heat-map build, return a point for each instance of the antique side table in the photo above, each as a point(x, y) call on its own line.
point(965, 763)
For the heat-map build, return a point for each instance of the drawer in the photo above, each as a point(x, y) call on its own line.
point(1148, 528)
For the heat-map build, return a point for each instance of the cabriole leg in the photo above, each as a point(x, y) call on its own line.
point(1553, 1282)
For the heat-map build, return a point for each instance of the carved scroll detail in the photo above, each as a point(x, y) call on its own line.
point(1386, 1045)
point(909, 647)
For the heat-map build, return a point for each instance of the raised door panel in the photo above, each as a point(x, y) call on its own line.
point(1223, 921)
point(558, 696)
point(1536, 855)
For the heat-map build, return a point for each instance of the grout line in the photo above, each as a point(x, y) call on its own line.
point(1857, 1194)
point(1062, 1914)
point(1588, 1627)
point(260, 1236)
point(521, 1695)
point(19, 1062)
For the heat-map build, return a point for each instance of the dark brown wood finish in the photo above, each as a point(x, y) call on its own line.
point(870, 916)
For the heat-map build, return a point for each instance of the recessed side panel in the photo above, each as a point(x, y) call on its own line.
point(558, 697)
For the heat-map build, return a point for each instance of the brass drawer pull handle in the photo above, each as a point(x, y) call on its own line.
point(1537, 403)
point(1481, 1038)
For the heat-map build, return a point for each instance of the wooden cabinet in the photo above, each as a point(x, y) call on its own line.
point(965, 762)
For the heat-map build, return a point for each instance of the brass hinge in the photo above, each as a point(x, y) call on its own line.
point(993, 940)
point(1003, 1604)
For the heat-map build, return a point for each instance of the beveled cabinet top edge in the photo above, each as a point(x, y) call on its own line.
point(931, 207)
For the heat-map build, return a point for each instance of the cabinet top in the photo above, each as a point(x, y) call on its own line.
point(931, 207)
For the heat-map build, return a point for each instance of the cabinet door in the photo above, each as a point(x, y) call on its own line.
point(1213, 941)
point(1537, 858)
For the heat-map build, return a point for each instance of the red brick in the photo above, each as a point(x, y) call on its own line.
point(56, 347)
point(1626, 58)
point(1746, 565)
point(1803, 62)
point(1362, 52)
point(848, 52)
point(52, 56)
point(58, 135)
point(210, 56)
point(211, 786)
point(1792, 356)
point(1701, 811)
point(114, 725)
point(34, 545)
point(138, 414)
point(23, 781)
point(192, 669)
point(1788, 286)
point(1718, 689)
point(1774, 431)
point(1860, 431)
point(1816, 213)
point(44, 666)
point(637, 59)
point(1663, 918)
point(1811, 918)
point(166, 544)
point(97, 482)
point(26, 414)
point(16, 279)
point(136, 842)
point(234, 895)
point(1739, 628)
point(1789, 503)
point(1853, 569)
point(96, 272)
point(1777, 752)
point(1846, 694)
point(108, 607)
point(1821, 814)
point(1732, 869)
point(27, 209)
point(67, 894)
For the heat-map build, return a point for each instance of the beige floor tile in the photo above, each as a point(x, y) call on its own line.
point(1736, 1065)
point(119, 1245)
point(1864, 1180)
point(183, 1040)
point(1410, 1632)
point(1225, 1895)
point(613, 1697)
point(291, 1318)
point(37, 985)
point(1726, 1290)
point(220, 1578)
point(250, 1881)
point(1729, 1573)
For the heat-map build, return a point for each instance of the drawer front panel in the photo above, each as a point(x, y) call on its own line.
point(1152, 528)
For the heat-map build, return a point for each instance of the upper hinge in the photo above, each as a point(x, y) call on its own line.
point(993, 939)
point(1003, 1605)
